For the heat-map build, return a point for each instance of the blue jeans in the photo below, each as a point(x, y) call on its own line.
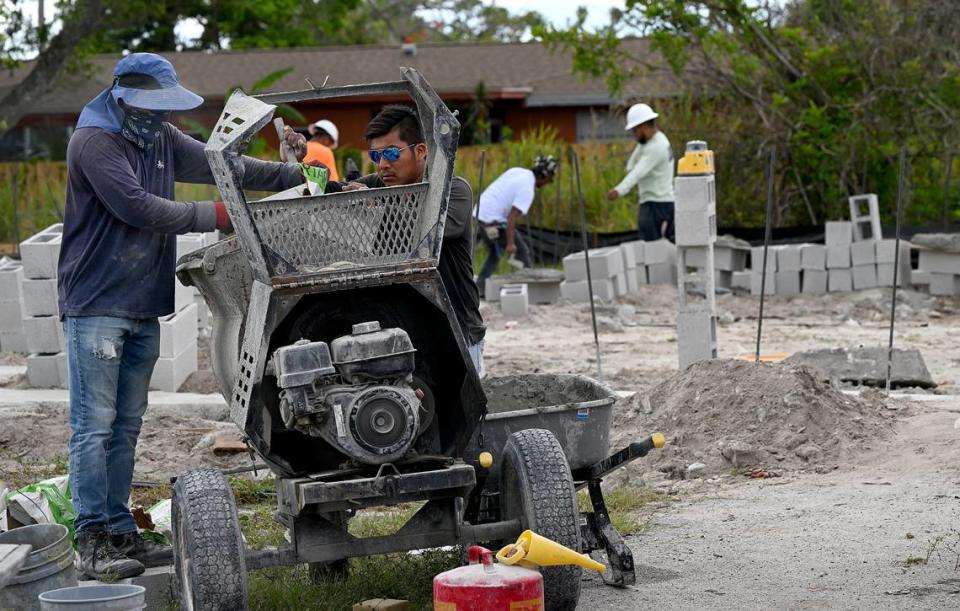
point(110, 361)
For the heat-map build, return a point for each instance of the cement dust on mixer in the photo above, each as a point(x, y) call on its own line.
point(509, 584)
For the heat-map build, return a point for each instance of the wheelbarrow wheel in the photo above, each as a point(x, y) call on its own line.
point(536, 487)
point(208, 550)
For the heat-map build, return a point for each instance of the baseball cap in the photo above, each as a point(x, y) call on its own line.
point(147, 80)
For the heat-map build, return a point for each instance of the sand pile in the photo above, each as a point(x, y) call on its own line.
point(728, 413)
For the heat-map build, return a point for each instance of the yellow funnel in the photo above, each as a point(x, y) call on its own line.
point(532, 551)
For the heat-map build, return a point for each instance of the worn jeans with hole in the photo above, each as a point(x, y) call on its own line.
point(110, 361)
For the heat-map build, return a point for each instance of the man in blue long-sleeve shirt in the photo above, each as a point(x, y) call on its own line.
point(116, 276)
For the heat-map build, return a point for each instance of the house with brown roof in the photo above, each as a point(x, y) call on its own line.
point(525, 85)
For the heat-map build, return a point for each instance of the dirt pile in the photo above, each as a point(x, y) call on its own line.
point(730, 413)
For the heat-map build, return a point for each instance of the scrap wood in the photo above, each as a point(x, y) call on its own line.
point(142, 518)
point(228, 445)
point(761, 473)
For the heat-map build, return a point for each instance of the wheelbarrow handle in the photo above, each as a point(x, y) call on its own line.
point(635, 450)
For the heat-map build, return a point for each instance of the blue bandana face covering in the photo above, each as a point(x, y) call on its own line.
point(142, 127)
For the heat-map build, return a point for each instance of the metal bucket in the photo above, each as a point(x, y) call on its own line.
point(112, 597)
point(49, 565)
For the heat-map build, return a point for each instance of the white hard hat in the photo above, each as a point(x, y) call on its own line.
point(330, 128)
point(639, 113)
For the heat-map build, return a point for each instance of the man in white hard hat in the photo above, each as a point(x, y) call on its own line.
point(323, 139)
point(650, 168)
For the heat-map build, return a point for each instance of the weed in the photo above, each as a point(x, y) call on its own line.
point(945, 545)
point(25, 473)
point(623, 503)
point(248, 491)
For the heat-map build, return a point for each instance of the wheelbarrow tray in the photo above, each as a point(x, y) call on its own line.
point(576, 409)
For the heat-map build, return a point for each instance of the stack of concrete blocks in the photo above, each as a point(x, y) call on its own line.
point(179, 331)
point(696, 232)
point(789, 266)
point(942, 268)
point(638, 256)
point(839, 240)
point(629, 253)
point(886, 253)
point(660, 259)
point(12, 338)
point(45, 342)
point(514, 301)
point(757, 271)
point(606, 274)
point(813, 268)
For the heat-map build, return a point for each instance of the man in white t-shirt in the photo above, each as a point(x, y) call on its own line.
point(501, 204)
point(650, 169)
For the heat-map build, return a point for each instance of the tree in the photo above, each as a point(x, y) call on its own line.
point(838, 86)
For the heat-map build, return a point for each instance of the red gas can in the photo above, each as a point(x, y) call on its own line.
point(484, 585)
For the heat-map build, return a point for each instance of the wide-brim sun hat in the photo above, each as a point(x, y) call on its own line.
point(638, 115)
point(148, 81)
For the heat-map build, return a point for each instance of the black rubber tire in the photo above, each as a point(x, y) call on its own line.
point(208, 550)
point(536, 487)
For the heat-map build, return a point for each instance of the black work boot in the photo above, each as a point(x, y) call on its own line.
point(99, 560)
point(133, 545)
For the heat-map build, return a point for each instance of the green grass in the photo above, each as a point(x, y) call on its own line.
point(24, 473)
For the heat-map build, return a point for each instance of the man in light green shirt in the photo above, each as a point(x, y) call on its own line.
point(650, 169)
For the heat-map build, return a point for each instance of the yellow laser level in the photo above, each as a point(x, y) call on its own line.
point(698, 160)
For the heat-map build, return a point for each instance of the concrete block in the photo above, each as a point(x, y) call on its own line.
point(838, 257)
point(189, 242)
point(11, 274)
point(177, 331)
point(641, 274)
point(788, 282)
point(159, 582)
point(940, 262)
point(788, 259)
point(514, 300)
point(605, 263)
point(729, 259)
point(491, 289)
point(170, 373)
point(863, 253)
point(39, 297)
point(659, 251)
point(693, 256)
point(662, 273)
point(885, 274)
point(813, 256)
point(865, 217)
point(756, 259)
point(13, 342)
point(723, 278)
point(578, 292)
point(11, 317)
point(40, 252)
point(694, 228)
point(839, 280)
point(629, 256)
point(864, 276)
point(944, 284)
point(741, 280)
point(182, 295)
point(211, 237)
point(755, 283)
point(813, 281)
point(620, 284)
point(886, 249)
point(203, 311)
point(638, 250)
point(919, 278)
point(631, 275)
point(44, 334)
point(696, 336)
point(542, 292)
point(838, 233)
point(47, 370)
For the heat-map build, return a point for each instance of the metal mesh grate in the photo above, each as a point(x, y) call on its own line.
point(346, 230)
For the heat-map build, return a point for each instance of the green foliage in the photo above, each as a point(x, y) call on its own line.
point(838, 87)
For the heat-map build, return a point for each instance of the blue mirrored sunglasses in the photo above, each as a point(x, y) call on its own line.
point(391, 153)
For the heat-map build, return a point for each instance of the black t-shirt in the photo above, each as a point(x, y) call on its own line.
point(456, 257)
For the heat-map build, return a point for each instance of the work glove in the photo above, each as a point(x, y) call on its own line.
point(223, 217)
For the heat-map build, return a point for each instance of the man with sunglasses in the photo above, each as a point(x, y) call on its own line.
point(115, 278)
point(398, 149)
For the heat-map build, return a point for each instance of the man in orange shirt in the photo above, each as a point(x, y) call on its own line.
point(323, 139)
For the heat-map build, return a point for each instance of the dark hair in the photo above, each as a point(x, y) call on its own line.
point(651, 123)
point(395, 117)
